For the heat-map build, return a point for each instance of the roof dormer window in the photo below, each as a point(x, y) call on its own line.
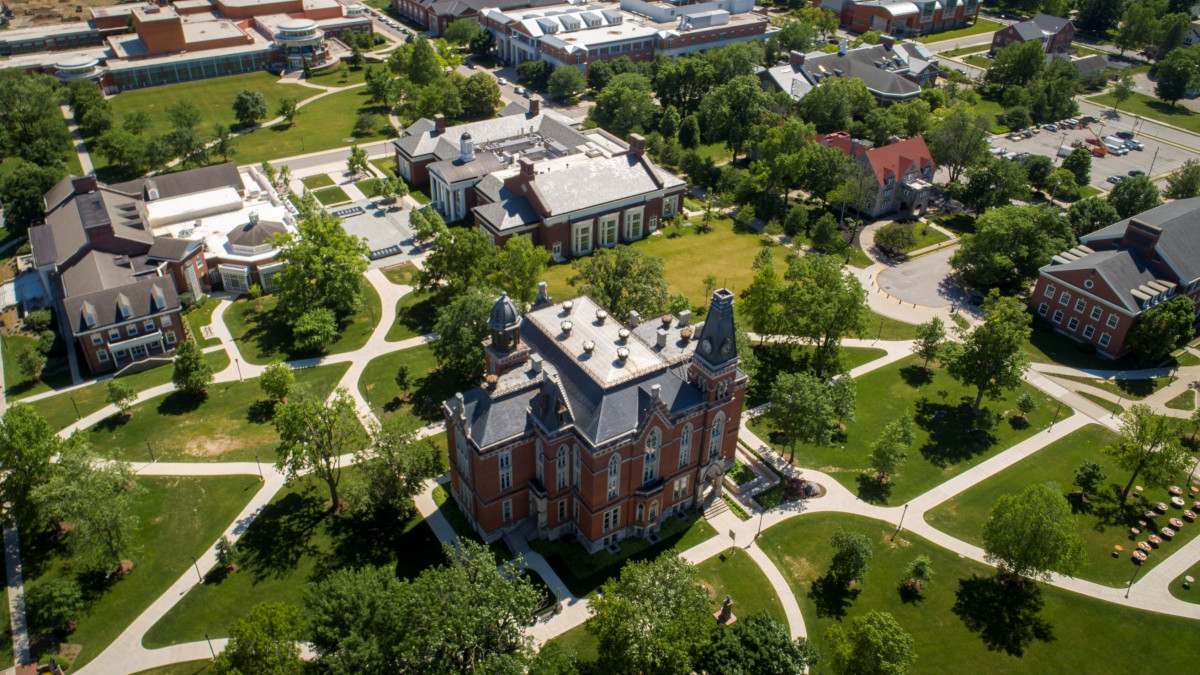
point(124, 306)
point(89, 314)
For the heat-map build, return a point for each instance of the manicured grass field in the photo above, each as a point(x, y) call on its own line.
point(989, 109)
point(199, 317)
point(735, 574)
point(330, 196)
point(389, 163)
point(294, 541)
point(886, 328)
point(428, 387)
point(1077, 633)
point(326, 123)
point(212, 97)
point(980, 26)
point(401, 275)
point(978, 61)
point(1046, 346)
point(318, 181)
point(54, 376)
point(1131, 389)
point(333, 77)
point(189, 668)
point(580, 643)
point(1184, 401)
point(962, 51)
point(692, 250)
point(180, 517)
point(717, 151)
point(583, 573)
point(416, 314)
point(1148, 106)
point(926, 236)
point(1101, 529)
point(1190, 594)
point(943, 447)
point(1086, 191)
point(1111, 406)
point(232, 424)
point(263, 337)
point(59, 410)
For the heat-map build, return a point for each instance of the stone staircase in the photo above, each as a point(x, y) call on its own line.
point(714, 506)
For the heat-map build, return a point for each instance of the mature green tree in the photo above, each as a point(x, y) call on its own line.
point(822, 169)
point(1173, 30)
point(249, 106)
point(761, 300)
point(459, 259)
point(535, 73)
point(1139, 27)
point(1162, 329)
point(653, 618)
point(136, 122)
point(598, 75)
point(324, 268)
point(823, 303)
point(668, 126)
point(288, 108)
point(918, 574)
point(689, 132)
point(1134, 195)
point(1098, 16)
point(851, 556)
point(835, 102)
point(758, 644)
point(184, 114)
point(480, 95)
point(1184, 183)
point(802, 410)
point(315, 329)
point(394, 469)
point(355, 620)
point(122, 148)
point(1091, 214)
point(97, 121)
point(356, 161)
point(731, 111)
point(931, 340)
point(1037, 170)
point(461, 31)
point(31, 361)
point(1017, 64)
point(121, 395)
point(566, 83)
point(313, 436)
point(622, 278)
point(461, 327)
point(23, 190)
point(1089, 478)
point(277, 381)
point(891, 448)
point(625, 105)
point(1178, 72)
point(224, 143)
point(192, 373)
point(482, 43)
point(98, 497)
point(989, 358)
point(1033, 534)
point(1148, 447)
point(870, 644)
point(519, 267)
point(27, 442)
point(992, 183)
point(959, 140)
point(266, 640)
point(1009, 244)
point(31, 124)
point(1063, 186)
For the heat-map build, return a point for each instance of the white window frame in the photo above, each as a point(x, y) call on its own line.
point(1043, 308)
point(582, 232)
point(634, 219)
point(578, 465)
point(680, 489)
point(609, 230)
point(464, 462)
point(612, 518)
point(505, 462)
point(560, 468)
point(1088, 332)
point(650, 463)
point(1113, 320)
point(131, 329)
point(653, 512)
point(1058, 316)
point(614, 476)
point(102, 355)
point(506, 507)
point(685, 445)
point(1105, 338)
point(562, 510)
point(1097, 312)
point(1073, 324)
point(718, 433)
point(114, 334)
point(1064, 298)
point(1050, 290)
point(171, 338)
point(149, 325)
point(1080, 305)
point(670, 206)
point(97, 339)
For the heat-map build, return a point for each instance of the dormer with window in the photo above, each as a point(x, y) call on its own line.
point(89, 314)
point(158, 299)
point(124, 307)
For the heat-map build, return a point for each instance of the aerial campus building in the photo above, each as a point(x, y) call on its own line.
point(594, 430)
point(187, 40)
point(903, 18)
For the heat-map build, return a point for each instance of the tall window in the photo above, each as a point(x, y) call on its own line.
point(507, 510)
point(650, 465)
point(681, 489)
point(560, 468)
point(582, 242)
point(464, 464)
point(578, 465)
point(614, 476)
point(718, 431)
point(633, 225)
point(612, 518)
point(653, 511)
point(685, 446)
point(505, 469)
point(540, 461)
point(608, 230)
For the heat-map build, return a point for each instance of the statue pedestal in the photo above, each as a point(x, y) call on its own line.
point(723, 618)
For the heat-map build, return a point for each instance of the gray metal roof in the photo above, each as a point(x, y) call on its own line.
point(600, 181)
point(1124, 270)
point(185, 182)
point(508, 212)
point(168, 248)
point(101, 279)
point(863, 63)
point(1179, 244)
point(456, 170)
point(1049, 24)
point(419, 139)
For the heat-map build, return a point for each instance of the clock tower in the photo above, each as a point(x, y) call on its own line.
point(714, 367)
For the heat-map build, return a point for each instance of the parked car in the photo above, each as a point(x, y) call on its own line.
point(518, 91)
point(1137, 172)
point(1093, 141)
point(1050, 127)
point(1089, 119)
point(501, 80)
point(1136, 145)
point(1124, 134)
point(1071, 122)
point(1116, 178)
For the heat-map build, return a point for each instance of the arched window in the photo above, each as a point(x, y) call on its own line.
point(718, 432)
point(614, 475)
point(578, 465)
point(650, 464)
point(685, 445)
point(560, 468)
point(464, 464)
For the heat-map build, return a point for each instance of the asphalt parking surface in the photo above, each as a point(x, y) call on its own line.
point(923, 281)
point(1169, 157)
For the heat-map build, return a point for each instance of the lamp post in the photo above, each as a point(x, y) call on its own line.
point(1116, 406)
point(1056, 411)
point(879, 335)
point(197, 566)
point(77, 415)
point(761, 511)
point(1130, 586)
point(210, 647)
point(238, 363)
point(900, 525)
point(260, 474)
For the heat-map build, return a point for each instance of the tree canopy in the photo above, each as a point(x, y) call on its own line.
point(621, 279)
point(1032, 534)
point(870, 644)
point(1010, 244)
point(324, 268)
point(990, 358)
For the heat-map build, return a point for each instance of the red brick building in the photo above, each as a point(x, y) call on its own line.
point(903, 18)
point(1054, 33)
point(592, 429)
point(1094, 293)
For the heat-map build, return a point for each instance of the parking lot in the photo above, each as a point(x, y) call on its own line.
point(1169, 157)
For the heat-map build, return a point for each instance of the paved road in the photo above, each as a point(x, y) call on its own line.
point(923, 281)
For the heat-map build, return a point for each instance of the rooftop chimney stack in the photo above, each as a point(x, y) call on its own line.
point(634, 318)
point(661, 338)
point(656, 392)
point(795, 58)
point(685, 317)
point(887, 41)
point(439, 124)
point(526, 165)
point(842, 47)
point(535, 363)
point(83, 184)
point(535, 106)
point(637, 144)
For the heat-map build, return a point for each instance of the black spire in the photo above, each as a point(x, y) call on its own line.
point(718, 346)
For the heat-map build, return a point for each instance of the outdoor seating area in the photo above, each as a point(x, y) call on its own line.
point(1168, 531)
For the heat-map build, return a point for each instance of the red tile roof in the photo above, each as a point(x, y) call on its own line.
point(892, 160)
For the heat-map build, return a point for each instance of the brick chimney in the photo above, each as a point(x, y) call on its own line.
point(637, 144)
point(439, 124)
point(887, 41)
point(795, 58)
point(535, 106)
point(83, 184)
point(526, 165)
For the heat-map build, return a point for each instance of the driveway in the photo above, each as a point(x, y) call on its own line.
point(923, 281)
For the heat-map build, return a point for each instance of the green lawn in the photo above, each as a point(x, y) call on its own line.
point(318, 181)
point(333, 77)
point(583, 573)
point(580, 643)
point(416, 314)
point(978, 61)
point(232, 424)
point(1084, 50)
point(943, 447)
point(180, 518)
point(1103, 402)
point(294, 541)
point(1131, 389)
point(980, 26)
point(55, 375)
point(1077, 633)
point(886, 328)
point(1047, 346)
point(189, 668)
point(775, 358)
point(926, 236)
point(683, 255)
point(735, 574)
point(59, 410)
point(324, 124)
point(330, 196)
point(200, 316)
point(389, 163)
point(213, 97)
point(741, 474)
point(428, 387)
point(1184, 401)
point(401, 275)
point(717, 151)
point(1106, 526)
point(989, 109)
point(963, 51)
point(1190, 594)
point(1148, 106)
point(1086, 191)
point(368, 186)
point(263, 336)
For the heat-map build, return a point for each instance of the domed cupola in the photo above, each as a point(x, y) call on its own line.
point(505, 322)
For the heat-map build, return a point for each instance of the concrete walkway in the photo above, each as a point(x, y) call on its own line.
point(85, 160)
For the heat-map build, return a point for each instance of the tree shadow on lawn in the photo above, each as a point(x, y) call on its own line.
point(261, 412)
point(956, 432)
point(916, 376)
point(180, 403)
point(1005, 615)
point(431, 390)
point(420, 316)
point(1107, 509)
point(873, 491)
point(775, 358)
point(832, 596)
point(378, 541)
point(281, 535)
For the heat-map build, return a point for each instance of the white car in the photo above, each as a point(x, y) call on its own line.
point(501, 80)
point(1116, 178)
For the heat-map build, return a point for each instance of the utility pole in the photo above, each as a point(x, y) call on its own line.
point(1056, 411)
point(900, 526)
point(1151, 171)
point(197, 566)
point(78, 417)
